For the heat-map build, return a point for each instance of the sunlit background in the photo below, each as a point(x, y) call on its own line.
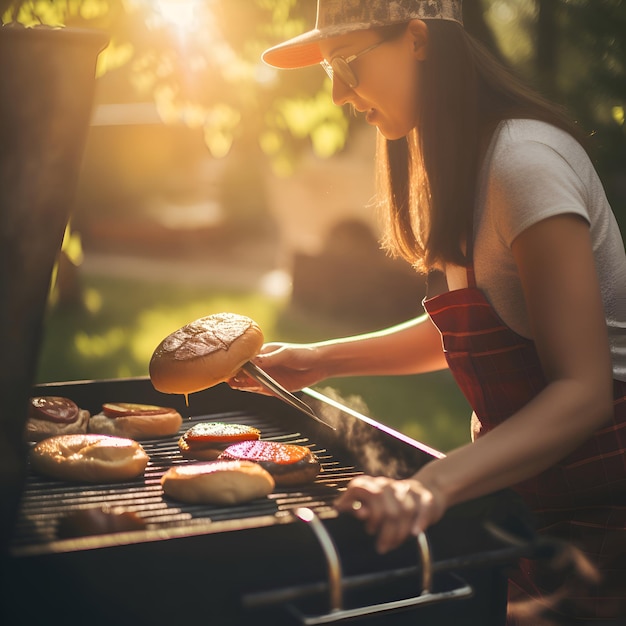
point(212, 182)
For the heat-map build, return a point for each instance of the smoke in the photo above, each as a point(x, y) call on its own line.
point(360, 438)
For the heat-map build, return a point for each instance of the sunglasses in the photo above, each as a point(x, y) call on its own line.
point(340, 66)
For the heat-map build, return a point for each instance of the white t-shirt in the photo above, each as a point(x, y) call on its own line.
point(533, 171)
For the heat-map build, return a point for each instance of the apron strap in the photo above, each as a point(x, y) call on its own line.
point(469, 249)
point(433, 286)
point(471, 277)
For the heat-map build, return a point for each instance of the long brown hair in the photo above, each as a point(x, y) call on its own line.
point(427, 180)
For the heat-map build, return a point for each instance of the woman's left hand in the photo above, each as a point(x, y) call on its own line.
point(392, 509)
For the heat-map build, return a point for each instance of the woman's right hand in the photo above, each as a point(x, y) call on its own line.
point(294, 366)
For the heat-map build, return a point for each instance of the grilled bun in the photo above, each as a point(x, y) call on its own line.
point(205, 441)
point(98, 520)
point(204, 353)
point(288, 463)
point(54, 415)
point(135, 421)
point(89, 458)
point(217, 482)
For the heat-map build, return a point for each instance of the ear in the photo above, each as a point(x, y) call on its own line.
point(418, 33)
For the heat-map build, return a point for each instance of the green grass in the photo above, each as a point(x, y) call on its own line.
point(115, 333)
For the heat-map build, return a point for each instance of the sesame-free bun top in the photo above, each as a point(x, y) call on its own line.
point(89, 458)
point(217, 482)
point(204, 353)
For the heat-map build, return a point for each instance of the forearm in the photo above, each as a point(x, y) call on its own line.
point(410, 348)
point(548, 428)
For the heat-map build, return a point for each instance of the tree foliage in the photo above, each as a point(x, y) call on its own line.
point(580, 61)
point(207, 73)
point(593, 53)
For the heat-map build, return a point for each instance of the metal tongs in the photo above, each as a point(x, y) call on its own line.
point(262, 377)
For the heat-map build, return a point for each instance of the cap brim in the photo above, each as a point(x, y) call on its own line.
point(301, 51)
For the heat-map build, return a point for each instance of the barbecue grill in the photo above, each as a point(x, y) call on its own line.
point(285, 559)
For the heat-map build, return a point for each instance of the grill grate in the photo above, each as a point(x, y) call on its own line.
point(46, 501)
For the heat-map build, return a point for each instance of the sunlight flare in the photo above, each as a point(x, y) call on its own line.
point(182, 14)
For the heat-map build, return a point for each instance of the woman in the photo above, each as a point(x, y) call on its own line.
point(483, 180)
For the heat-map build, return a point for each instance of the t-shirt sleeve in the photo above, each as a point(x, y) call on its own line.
point(531, 181)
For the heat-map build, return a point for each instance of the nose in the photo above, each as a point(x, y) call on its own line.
point(341, 92)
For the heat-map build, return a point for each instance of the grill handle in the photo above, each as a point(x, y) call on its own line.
point(337, 613)
point(330, 552)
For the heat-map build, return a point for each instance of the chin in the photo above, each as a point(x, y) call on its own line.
point(391, 132)
point(390, 135)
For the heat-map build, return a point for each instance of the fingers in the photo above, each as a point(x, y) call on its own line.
point(355, 500)
point(269, 350)
point(392, 513)
point(390, 509)
point(398, 519)
point(372, 500)
point(243, 382)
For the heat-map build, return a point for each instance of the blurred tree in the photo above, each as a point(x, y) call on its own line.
point(592, 64)
point(200, 61)
point(547, 45)
point(476, 24)
point(579, 60)
point(574, 52)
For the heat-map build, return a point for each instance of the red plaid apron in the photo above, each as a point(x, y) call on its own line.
point(582, 499)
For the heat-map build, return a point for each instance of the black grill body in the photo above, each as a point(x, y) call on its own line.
point(255, 563)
